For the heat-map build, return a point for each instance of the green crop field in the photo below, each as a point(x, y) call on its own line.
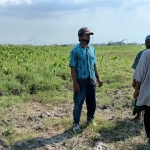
point(36, 79)
point(31, 70)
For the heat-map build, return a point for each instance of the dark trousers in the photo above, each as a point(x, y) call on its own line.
point(87, 91)
point(146, 115)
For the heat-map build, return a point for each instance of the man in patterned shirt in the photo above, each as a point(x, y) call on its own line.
point(137, 109)
point(84, 74)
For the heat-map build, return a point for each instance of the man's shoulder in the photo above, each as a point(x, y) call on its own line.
point(147, 52)
point(77, 47)
point(139, 53)
point(91, 47)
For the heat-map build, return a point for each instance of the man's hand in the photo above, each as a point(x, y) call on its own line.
point(136, 94)
point(134, 83)
point(137, 90)
point(76, 87)
point(100, 83)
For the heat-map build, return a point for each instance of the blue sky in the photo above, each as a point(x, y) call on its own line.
point(58, 21)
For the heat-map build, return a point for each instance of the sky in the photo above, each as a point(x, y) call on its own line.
point(47, 22)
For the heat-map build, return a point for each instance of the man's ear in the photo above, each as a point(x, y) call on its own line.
point(79, 36)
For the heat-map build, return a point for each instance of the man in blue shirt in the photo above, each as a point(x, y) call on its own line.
point(84, 74)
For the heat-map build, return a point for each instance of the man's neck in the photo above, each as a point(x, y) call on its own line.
point(84, 45)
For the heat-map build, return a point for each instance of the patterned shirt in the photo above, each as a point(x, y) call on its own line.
point(138, 56)
point(83, 59)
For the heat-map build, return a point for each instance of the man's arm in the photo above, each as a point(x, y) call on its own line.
point(134, 83)
point(76, 86)
point(137, 90)
point(100, 82)
point(140, 73)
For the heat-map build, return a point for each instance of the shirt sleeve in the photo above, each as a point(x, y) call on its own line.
point(140, 69)
point(73, 59)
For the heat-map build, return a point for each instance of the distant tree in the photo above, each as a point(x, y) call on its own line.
point(110, 43)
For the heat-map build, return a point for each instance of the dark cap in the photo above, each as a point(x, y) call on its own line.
point(147, 37)
point(84, 30)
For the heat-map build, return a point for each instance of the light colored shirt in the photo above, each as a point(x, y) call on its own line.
point(83, 59)
point(142, 74)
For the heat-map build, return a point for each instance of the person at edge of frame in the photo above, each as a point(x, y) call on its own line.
point(84, 74)
point(142, 89)
point(137, 109)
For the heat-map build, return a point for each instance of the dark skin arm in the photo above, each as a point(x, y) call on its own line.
point(134, 83)
point(100, 82)
point(76, 86)
point(137, 90)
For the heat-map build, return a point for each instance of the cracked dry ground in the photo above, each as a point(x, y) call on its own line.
point(51, 126)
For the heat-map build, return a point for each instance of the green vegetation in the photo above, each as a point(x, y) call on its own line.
point(30, 70)
point(37, 79)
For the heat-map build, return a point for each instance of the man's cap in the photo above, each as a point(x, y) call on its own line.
point(147, 37)
point(84, 30)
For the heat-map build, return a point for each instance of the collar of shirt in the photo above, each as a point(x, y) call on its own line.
point(82, 46)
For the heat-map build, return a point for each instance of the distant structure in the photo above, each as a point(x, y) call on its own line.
point(33, 38)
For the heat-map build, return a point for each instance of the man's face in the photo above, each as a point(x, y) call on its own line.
point(85, 38)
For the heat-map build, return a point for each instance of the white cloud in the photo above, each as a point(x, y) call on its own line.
point(79, 1)
point(14, 2)
point(49, 8)
point(52, 20)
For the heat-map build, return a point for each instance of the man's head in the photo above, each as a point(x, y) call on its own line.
point(84, 35)
point(147, 41)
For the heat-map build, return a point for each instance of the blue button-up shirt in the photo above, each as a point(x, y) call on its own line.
point(83, 59)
